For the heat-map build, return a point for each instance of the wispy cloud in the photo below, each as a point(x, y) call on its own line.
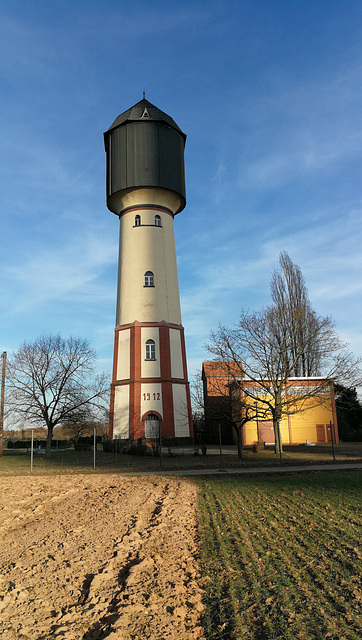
point(222, 286)
point(68, 273)
point(303, 128)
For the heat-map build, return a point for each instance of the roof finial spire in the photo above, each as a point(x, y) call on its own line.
point(144, 94)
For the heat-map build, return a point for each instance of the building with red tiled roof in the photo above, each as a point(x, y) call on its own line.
point(227, 392)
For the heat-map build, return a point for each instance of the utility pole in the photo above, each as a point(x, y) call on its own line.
point(2, 402)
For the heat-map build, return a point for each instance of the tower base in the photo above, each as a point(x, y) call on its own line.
point(150, 391)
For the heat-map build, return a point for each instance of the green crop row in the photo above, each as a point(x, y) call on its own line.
point(281, 557)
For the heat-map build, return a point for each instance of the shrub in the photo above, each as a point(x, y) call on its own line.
point(137, 450)
point(114, 446)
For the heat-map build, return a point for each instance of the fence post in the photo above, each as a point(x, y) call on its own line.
point(220, 445)
point(279, 443)
point(32, 450)
point(94, 448)
point(332, 440)
point(160, 437)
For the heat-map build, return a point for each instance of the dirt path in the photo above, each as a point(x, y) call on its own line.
point(93, 557)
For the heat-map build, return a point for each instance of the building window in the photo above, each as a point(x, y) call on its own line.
point(149, 279)
point(137, 221)
point(158, 221)
point(150, 350)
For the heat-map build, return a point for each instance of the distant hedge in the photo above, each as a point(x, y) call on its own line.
point(132, 448)
point(115, 446)
point(26, 444)
point(85, 443)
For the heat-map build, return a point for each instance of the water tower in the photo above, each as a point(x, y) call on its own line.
point(146, 189)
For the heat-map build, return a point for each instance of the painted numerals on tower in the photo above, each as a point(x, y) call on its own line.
point(151, 400)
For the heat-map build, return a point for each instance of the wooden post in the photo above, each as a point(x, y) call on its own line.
point(2, 402)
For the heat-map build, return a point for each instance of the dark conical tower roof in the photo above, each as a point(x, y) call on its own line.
point(145, 150)
point(145, 111)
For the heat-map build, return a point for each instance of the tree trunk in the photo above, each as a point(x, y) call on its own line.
point(278, 439)
point(48, 449)
point(240, 443)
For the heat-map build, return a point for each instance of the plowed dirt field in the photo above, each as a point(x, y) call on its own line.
point(93, 557)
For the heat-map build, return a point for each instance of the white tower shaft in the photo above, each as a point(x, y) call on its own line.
point(147, 272)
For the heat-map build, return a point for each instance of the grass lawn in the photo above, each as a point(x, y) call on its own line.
point(70, 461)
point(281, 556)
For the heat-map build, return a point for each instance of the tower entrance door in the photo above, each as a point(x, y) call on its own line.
point(152, 426)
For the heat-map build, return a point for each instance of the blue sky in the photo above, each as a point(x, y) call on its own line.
point(269, 94)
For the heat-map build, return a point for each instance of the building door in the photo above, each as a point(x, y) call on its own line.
point(321, 436)
point(152, 426)
point(266, 431)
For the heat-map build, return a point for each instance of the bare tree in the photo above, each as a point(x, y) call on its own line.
point(295, 317)
point(77, 430)
point(213, 394)
point(271, 346)
point(53, 381)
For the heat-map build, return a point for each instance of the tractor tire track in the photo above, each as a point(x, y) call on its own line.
point(103, 557)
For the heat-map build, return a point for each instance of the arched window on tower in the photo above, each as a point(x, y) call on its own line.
point(137, 221)
point(157, 221)
point(149, 279)
point(150, 350)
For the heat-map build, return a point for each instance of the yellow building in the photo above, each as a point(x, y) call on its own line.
point(306, 417)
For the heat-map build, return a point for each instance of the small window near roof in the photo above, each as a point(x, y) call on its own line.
point(149, 279)
point(137, 221)
point(157, 221)
point(150, 350)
